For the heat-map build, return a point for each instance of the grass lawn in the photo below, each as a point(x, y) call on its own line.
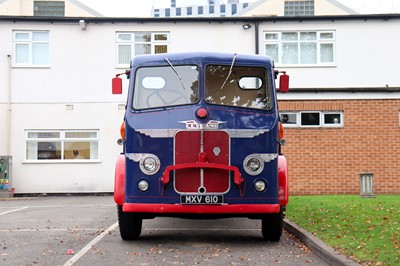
point(364, 229)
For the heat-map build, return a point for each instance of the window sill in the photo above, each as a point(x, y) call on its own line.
point(305, 66)
point(31, 66)
point(77, 161)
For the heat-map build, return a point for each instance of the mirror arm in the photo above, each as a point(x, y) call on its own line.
point(127, 73)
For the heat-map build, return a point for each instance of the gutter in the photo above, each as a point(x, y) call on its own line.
point(257, 19)
point(343, 89)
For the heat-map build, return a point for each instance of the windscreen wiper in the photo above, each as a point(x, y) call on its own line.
point(176, 72)
point(230, 70)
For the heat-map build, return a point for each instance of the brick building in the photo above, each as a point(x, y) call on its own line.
point(329, 160)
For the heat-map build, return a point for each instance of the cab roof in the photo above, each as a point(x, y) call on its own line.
point(201, 58)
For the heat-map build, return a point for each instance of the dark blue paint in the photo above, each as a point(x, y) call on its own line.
point(168, 118)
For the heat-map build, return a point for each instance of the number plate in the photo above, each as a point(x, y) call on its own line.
point(202, 199)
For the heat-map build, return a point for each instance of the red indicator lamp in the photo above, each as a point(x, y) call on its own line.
point(201, 113)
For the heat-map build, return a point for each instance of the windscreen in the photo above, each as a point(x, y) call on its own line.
point(164, 86)
point(240, 86)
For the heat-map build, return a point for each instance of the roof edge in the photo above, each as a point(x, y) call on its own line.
point(348, 89)
point(257, 19)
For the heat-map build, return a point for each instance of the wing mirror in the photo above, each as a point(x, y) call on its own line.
point(117, 82)
point(283, 82)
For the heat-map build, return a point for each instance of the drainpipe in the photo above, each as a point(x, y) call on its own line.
point(9, 107)
point(256, 37)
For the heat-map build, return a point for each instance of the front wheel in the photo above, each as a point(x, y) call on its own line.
point(271, 226)
point(130, 224)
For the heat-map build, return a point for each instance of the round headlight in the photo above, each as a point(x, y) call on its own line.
point(143, 185)
point(149, 164)
point(260, 185)
point(253, 164)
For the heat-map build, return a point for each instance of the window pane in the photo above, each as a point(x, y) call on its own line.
point(310, 119)
point(289, 36)
point(289, 119)
point(142, 37)
point(272, 51)
point(31, 150)
point(161, 37)
point(306, 36)
point(326, 53)
point(308, 53)
point(81, 135)
point(159, 49)
point(332, 119)
point(326, 35)
point(142, 49)
point(49, 150)
point(289, 53)
point(40, 54)
point(77, 150)
point(159, 86)
point(41, 36)
point(124, 37)
point(230, 93)
point(22, 36)
point(271, 36)
point(22, 53)
point(124, 54)
point(44, 135)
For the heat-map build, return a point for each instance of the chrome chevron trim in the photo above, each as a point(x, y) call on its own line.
point(233, 133)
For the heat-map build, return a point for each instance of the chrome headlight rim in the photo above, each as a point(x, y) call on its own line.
point(250, 171)
point(149, 159)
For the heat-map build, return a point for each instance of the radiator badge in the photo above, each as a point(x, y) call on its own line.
point(192, 124)
point(216, 151)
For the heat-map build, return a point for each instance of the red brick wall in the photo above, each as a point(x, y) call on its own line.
point(330, 160)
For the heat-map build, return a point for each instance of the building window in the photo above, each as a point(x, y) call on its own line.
point(130, 44)
point(222, 9)
point(31, 48)
point(200, 10)
point(234, 9)
point(312, 119)
point(168, 12)
point(211, 10)
point(49, 8)
point(189, 11)
point(299, 8)
point(62, 145)
point(178, 12)
point(301, 48)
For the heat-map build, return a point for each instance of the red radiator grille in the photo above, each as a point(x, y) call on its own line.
point(188, 145)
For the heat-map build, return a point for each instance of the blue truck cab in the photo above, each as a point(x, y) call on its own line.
point(201, 139)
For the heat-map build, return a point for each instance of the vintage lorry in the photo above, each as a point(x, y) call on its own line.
point(201, 139)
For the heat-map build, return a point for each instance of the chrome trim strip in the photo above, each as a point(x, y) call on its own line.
point(233, 133)
point(246, 133)
point(267, 157)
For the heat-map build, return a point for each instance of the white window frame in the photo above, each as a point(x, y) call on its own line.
point(153, 42)
point(322, 122)
point(62, 139)
point(319, 41)
point(30, 42)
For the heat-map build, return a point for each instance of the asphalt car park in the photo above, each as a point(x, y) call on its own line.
point(84, 231)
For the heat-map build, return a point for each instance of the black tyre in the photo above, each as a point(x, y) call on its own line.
point(271, 226)
point(130, 224)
